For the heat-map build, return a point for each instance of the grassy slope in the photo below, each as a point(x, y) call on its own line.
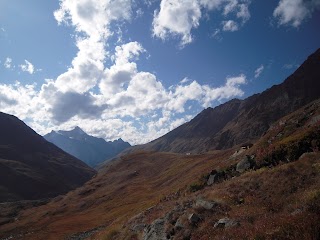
point(121, 190)
point(280, 201)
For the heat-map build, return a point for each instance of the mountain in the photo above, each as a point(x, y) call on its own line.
point(242, 121)
point(31, 167)
point(153, 195)
point(89, 149)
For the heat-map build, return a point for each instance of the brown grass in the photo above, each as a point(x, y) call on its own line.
point(274, 202)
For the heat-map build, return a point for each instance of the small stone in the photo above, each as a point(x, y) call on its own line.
point(194, 218)
point(178, 226)
point(205, 204)
point(226, 223)
point(212, 179)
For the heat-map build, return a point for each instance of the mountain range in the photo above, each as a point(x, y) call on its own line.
point(242, 121)
point(195, 182)
point(89, 149)
point(31, 167)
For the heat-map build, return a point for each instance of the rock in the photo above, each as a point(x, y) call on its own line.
point(155, 231)
point(194, 218)
point(178, 226)
point(205, 204)
point(297, 211)
point(138, 227)
point(226, 223)
point(212, 179)
point(245, 164)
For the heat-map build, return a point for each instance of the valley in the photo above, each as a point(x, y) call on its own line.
point(247, 169)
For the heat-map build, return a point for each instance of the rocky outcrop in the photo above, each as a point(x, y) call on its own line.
point(155, 231)
point(208, 205)
point(245, 164)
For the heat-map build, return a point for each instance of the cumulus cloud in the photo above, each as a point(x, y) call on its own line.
point(258, 71)
point(294, 12)
point(229, 90)
point(230, 26)
point(27, 67)
point(69, 95)
point(243, 12)
point(124, 69)
point(177, 18)
point(8, 63)
point(119, 100)
point(93, 17)
point(20, 100)
point(91, 20)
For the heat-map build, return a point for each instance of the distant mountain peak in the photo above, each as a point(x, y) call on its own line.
point(78, 130)
point(90, 149)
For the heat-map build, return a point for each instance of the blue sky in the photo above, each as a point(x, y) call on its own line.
point(137, 69)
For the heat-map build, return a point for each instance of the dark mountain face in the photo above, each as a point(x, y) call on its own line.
point(89, 149)
point(241, 121)
point(31, 167)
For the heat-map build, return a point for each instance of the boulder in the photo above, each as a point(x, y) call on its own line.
point(226, 223)
point(155, 231)
point(194, 218)
point(178, 226)
point(212, 179)
point(245, 164)
point(205, 204)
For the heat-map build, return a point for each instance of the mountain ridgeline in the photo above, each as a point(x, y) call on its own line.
point(89, 149)
point(32, 168)
point(242, 121)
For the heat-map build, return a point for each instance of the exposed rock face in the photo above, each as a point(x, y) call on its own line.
point(240, 121)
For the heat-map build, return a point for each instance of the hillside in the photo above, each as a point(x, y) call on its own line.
point(241, 121)
point(147, 194)
point(31, 167)
point(89, 149)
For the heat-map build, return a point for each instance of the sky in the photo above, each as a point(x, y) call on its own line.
point(136, 69)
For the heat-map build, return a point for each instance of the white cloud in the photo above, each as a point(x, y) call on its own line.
point(182, 94)
point(258, 71)
point(27, 67)
point(97, 97)
point(8, 63)
point(119, 75)
point(230, 26)
point(91, 19)
point(229, 90)
point(177, 18)
point(230, 7)
point(211, 4)
point(185, 80)
point(21, 101)
point(244, 12)
point(294, 12)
